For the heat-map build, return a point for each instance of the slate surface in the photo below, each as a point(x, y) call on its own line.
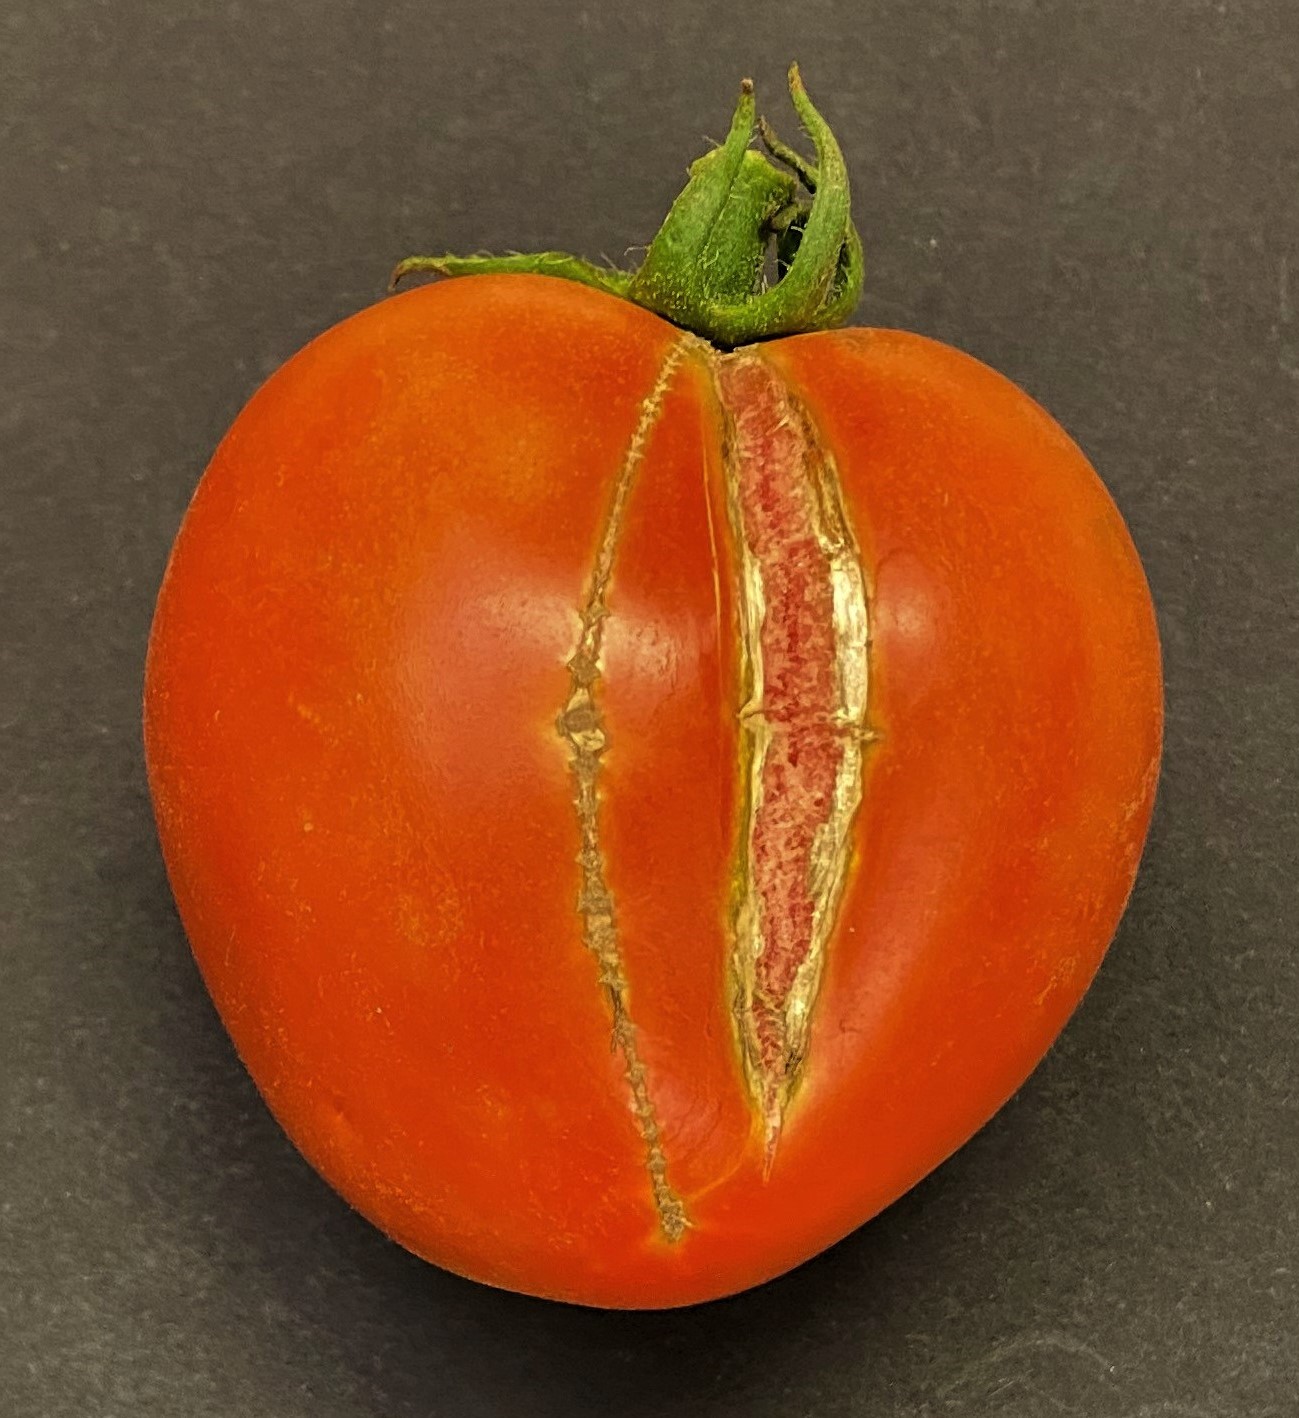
point(1099, 198)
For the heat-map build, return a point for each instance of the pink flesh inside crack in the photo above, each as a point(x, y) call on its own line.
point(797, 698)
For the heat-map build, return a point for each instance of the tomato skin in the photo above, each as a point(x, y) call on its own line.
point(368, 817)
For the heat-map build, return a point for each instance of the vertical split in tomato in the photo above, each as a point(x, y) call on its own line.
point(803, 715)
point(581, 725)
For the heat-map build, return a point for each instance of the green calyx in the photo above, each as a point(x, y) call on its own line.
point(707, 269)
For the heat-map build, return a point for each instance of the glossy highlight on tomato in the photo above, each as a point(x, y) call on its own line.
point(638, 806)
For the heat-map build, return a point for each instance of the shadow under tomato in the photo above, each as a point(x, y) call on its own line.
point(318, 1312)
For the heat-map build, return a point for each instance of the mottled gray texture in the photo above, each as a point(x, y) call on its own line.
point(1100, 198)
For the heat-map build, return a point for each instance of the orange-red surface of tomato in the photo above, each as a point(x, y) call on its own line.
point(361, 652)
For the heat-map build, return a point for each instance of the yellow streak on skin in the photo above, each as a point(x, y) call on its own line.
point(581, 726)
point(831, 848)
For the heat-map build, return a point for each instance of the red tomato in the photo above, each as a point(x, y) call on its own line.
point(598, 912)
point(639, 808)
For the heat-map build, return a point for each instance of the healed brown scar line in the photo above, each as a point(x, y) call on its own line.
point(581, 725)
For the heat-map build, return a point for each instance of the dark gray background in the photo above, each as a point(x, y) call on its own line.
point(1100, 199)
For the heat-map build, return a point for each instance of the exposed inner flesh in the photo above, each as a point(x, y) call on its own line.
point(803, 689)
point(803, 628)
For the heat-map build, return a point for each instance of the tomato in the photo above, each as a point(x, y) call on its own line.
point(639, 807)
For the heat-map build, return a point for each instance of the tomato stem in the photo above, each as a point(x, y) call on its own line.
point(707, 269)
